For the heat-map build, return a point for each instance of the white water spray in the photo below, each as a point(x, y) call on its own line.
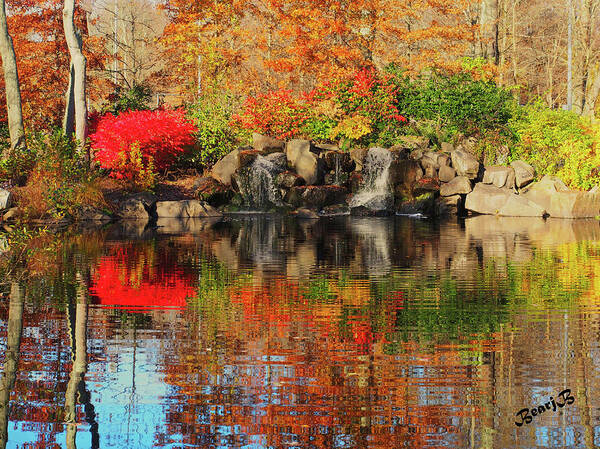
point(376, 193)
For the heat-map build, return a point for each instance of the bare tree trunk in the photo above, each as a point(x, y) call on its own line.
point(78, 62)
point(11, 363)
point(570, 56)
point(11, 82)
point(69, 118)
point(592, 92)
point(489, 29)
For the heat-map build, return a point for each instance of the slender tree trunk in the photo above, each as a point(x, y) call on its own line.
point(69, 118)
point(489, 29)
point(11, 363)
point(78, 62)
point(11, 82)
point(570, 55)
point(592, 92)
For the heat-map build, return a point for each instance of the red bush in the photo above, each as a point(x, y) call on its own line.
point(160, 135)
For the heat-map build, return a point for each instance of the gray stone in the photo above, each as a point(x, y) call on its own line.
point(446, 173)
point(461, 185)
point(185, 209)
point(339, 160)
point(288, 179)
point(444, 159)
point(91, 214)
point(279, 160)
point(133, 209)
point(405, 172)
point(465, 164)
point(430, 161)
point(447, 147)
point(524, 173)
point(226, 167)
point(303, 161)
point(594, 190)
point(491, 200)
point(5, 199)
point(358, 156)
point(559, 201)
point(430, 172)
point(321, 196)
point(499, 176)
point(335, 210)
point(266, 144)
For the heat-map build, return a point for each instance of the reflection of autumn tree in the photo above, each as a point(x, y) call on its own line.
point(11, 356)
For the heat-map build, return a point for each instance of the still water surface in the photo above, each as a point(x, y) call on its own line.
point(260, 332)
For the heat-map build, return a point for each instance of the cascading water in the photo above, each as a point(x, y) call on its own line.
point(257, 185)
point(376, 193)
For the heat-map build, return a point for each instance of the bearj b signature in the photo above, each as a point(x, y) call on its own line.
point(564, 398)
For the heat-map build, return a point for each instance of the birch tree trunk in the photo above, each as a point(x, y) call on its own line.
point(78, 62)
point(69, 118)
point(11, 82)
point(489, 29)
point(11, 363)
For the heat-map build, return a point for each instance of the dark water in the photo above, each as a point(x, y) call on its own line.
point(266, 333)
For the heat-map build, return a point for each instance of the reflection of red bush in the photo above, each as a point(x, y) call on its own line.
point(117, 282)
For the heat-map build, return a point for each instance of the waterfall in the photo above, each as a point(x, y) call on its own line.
point(257, 185)
point(376, 194)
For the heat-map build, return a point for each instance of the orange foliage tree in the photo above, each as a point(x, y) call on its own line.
point(43, 59)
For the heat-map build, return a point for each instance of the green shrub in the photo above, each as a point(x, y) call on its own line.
point(558, 142)
point(458, 102)
point(216, 135)
point(136, 98)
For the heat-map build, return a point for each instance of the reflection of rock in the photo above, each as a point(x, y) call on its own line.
point(174, 226)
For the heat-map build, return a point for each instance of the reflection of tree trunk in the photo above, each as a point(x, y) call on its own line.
point(582, 356)
point(76, 379)
point(13, 344)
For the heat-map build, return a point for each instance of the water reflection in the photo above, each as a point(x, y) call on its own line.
point(348, 332)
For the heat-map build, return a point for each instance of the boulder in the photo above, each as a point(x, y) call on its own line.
point(405, 172)
point(213, 192)
point(339, 160)
point(6, 199)
point(430, 172)
point(446, 173)
point(304, 162)
point(355, 181)
point(335, 210)
point(555, 197)
point(524, 173)
point(247, 157)
point(465, 164)
point(423, 205)
point(137, 207)
point(358, 155)
point(321, 196)
point(267, 145)
point(461, 185)
point(444, 159)
point(288, 179)
point(491, 200)
point(279, 160)
point(226, 167)
point(399, 152)
point(365, 211)
point(91, 214)
point(425, 185)
point(185, 209)
point(499, 176)
point(447, 147)
point(430, 161)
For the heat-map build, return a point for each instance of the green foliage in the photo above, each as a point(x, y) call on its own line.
point(458, 102)
point(216, 136)
point(136, 98)
point(558, 142)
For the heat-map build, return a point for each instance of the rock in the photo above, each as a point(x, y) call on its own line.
point(226, 167)
point(555, 197)
point(335, 210)
point(364, 211)
point(185, 209)
point(279, 160)
point(304, 162)
point(465, 164)
point(288, 179)
point(213, 192)
point(422, 205)
point(267, 145)
point(321, 196)
point(327, 147)
point(499, 176)
point(461, 185)
point(399, 152)
point(247, 157)
point(450, 205)
point(444, 160)
point(91, 214)
point(425, 185)
point(594, 190)
point(451, 201)
point(355, 181)
point(6, 199)
point(491, 200)
point(405, 172)
point(339, 179)
point(416, 155)
point(430, 172)
point(358, 155)
point(338, 160)
point(135, 208)
point(446, 173)
point(429, 161)
point(11, 214)
point(447, 147)
point(524, 173)
point(307, 214)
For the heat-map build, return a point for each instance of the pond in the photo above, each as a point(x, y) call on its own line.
point(264, 332)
